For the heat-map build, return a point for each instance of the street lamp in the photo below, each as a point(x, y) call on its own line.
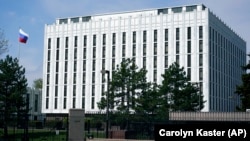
point(107, 97)
point(198, 85)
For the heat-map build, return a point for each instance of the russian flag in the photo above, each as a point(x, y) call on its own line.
point(23, 37)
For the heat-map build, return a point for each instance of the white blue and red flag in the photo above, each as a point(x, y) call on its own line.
point(23, 37)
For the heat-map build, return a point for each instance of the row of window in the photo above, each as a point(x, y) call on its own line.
point(113, 60)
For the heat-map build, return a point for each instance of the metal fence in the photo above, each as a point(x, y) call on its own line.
point(55, 127)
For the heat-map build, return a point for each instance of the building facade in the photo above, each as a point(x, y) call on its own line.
point(35, 104)
point(77, 49)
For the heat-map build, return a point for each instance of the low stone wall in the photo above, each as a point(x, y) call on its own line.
point(210, 116)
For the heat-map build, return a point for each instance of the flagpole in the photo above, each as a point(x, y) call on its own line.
point(23, 37)
point(19, 48)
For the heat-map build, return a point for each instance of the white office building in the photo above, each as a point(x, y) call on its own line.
point(76, 49)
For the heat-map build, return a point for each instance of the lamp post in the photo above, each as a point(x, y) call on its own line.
point(107, 97)
point(198, 85)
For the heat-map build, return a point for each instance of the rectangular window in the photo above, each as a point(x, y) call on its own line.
point(74, 90)
point(200, 45)
point(103, 52)
point(94, 40)
point(49, 55)
point(48, 77)
point(75, 66)
point(66, 54)
point(84, 65)
point(55, 106)
point(66, 42)
point(93, 65)
point(83, 102)
point(123, 50)
point(113, 39)
point(134, 37)
point(56, 79)
point(74, 20)
point(93, 90)
point(155, 61)
point(113, 51)
point(177, 59)
point(65, 78)
point(166, 48)
point(200, 32)
point(189, 33)
point(47, 91)
point(83, 90)
point(189, 73)
point(155, 35)
point(104, 39)
point(94, 52)
point(166, 61)
point(189, 61)
point(113, 64)
point(66, 66)
point(48, 67)
point(65, 90)
point(103, 64)
point(57, 66)
point(49, 43)
point(123, 37)
point(75, 53)
point(177, 10)
point(144, 36)
point(144, 62)
point(155, 48)
point(85, 40)
point(83, 77)
point(166, 35)
point(144, 49)
point(74, 78)
point(155, 75)
point(191, 8)
point(47, 103)
point(57, 43)
point(93, 103)
point(57, 54)
point(177, 34)
point(103, 89)
point(64, 103)
point(189, 47)
point(93, 77)
point(56, 91)
point(134, 50)
point(177, 47)
point(84, 53)
point(75, 41)
point(200, 74)
point(74, 103)
point(200, 60)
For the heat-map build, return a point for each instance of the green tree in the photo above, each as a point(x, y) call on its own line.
point(148, 102)
point(38, 83)
point(126, 84)
point(243, 90)
point(3, 43)
point(178, 93)
point(13, 86)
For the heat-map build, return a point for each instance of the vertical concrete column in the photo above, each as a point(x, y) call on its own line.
point(76, 125)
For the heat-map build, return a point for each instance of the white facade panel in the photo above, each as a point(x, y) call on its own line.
point(88, 48)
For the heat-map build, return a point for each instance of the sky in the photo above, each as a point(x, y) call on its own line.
point(32, 16)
